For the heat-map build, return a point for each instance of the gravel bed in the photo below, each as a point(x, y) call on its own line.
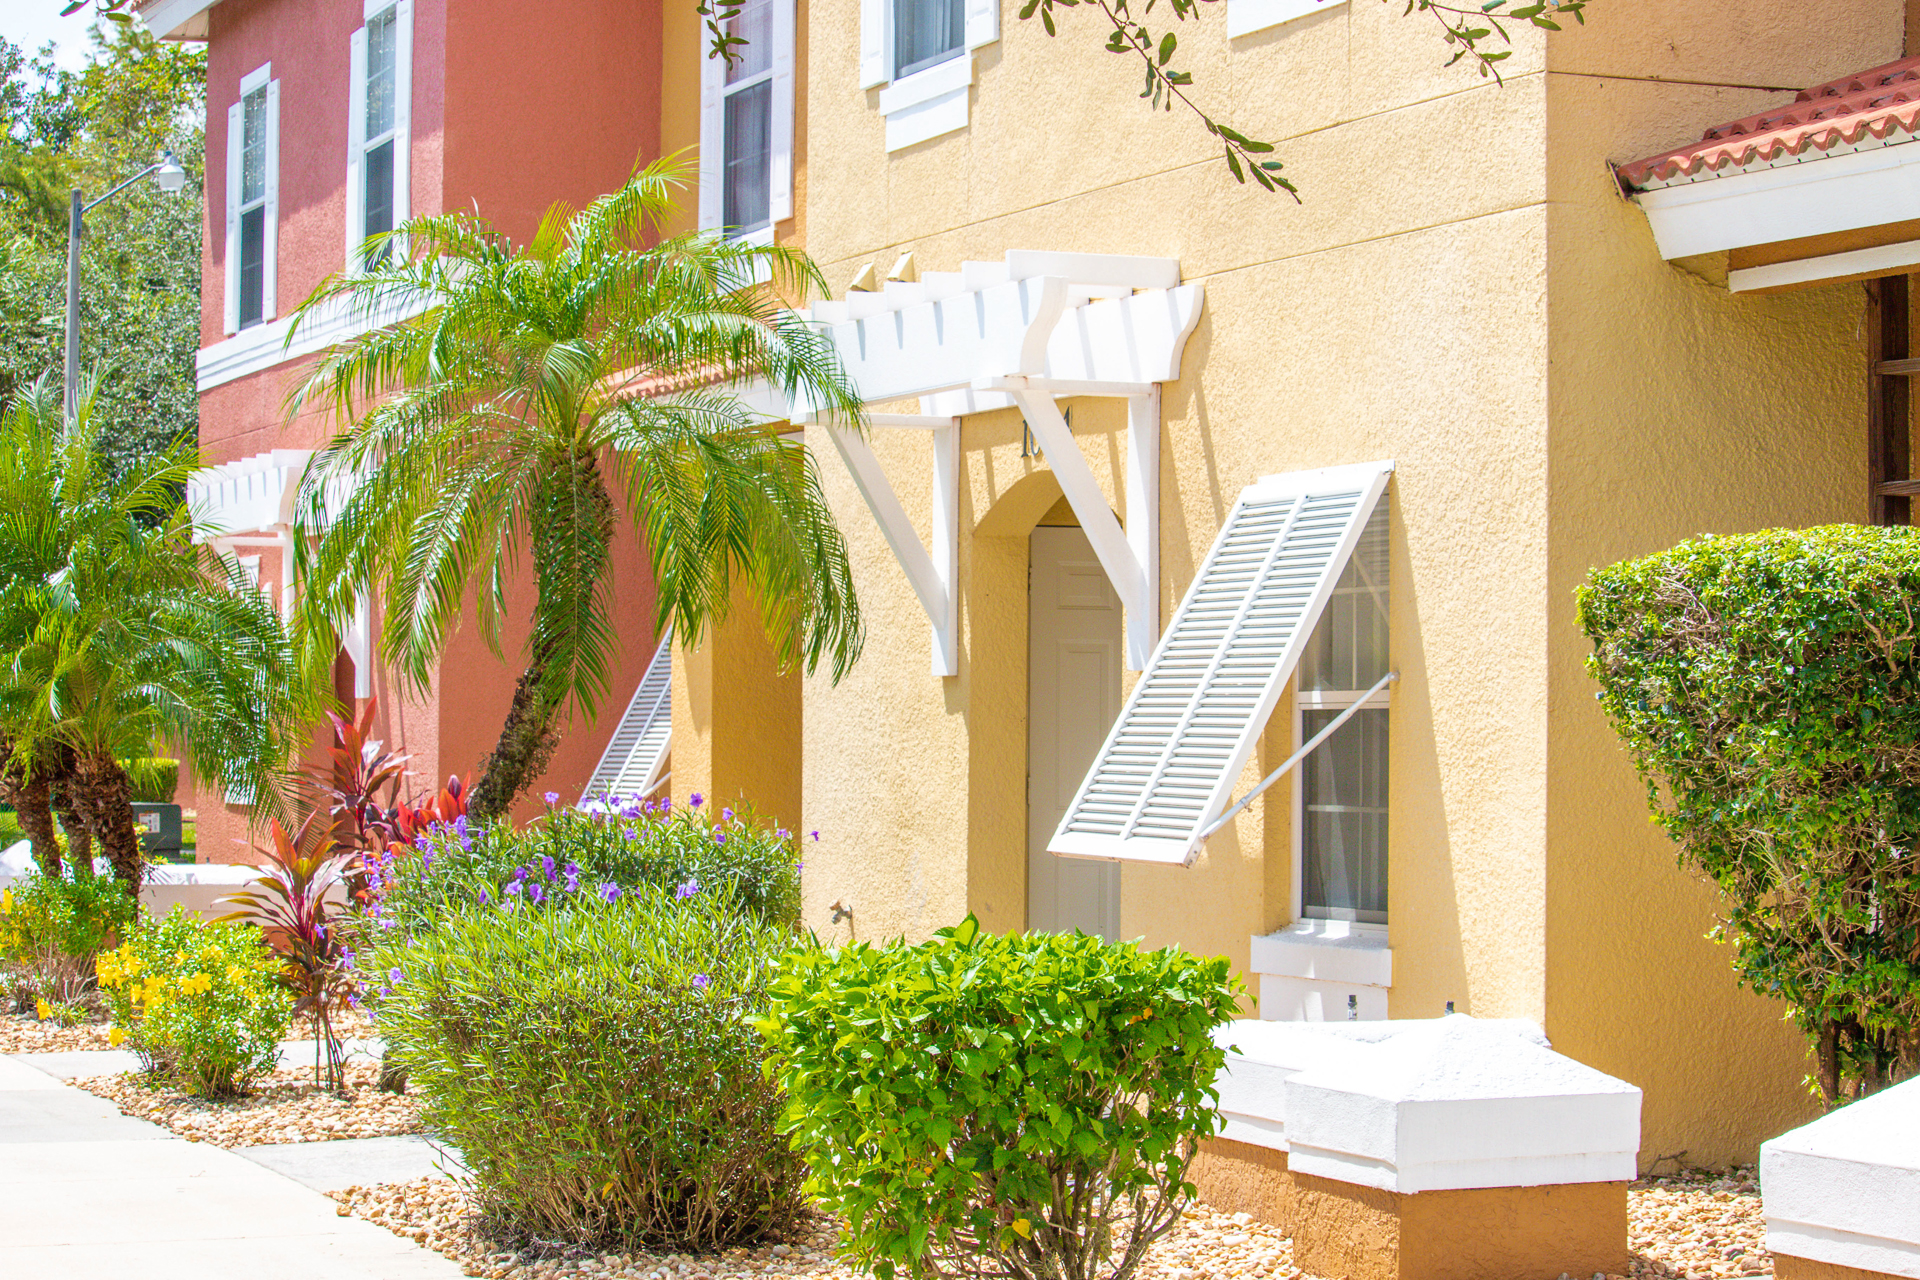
point(1698, 1225)
point(24, 1033)
point(1691, 1226)
point(286, 1107)
point(435, 1213)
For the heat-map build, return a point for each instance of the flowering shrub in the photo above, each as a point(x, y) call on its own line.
point(52, 927)
point(596, 851)
point(593, 1063)
point(999, 1106)
point(203, 1005)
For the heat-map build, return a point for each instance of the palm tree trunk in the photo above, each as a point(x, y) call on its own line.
point(79, 836)
point(102, 793)
point(527, 742)
point(32, 804)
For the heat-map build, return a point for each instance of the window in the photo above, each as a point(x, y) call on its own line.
point(915, 52)
point(1342, 817)
point(379, 138)
point(926, 33)
point(253, 198)
point(746, 127)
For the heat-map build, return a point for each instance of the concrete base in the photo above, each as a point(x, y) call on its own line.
point(1349, 1232)
point(1788, 1267)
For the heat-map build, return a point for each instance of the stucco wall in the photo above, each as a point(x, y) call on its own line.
point(1675, 409)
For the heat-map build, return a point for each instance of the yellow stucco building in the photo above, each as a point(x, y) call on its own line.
point(1465, 306)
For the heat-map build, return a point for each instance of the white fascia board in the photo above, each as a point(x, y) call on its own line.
point(265, 345)
point(1326, 951)
point(1845, 1189)
point(177, 19)
point(1817, 196)
point(1880, 259)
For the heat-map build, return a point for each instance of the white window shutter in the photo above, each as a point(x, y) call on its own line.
point(983, 22)
point(402, 111)
point(270, 268)
point(1168, 767)
point(630, 766)
point(230, 287)
point(356, 146)
point(713, 139)
point(875, 64)
point(780, 177)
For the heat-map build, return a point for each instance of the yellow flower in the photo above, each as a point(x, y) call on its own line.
point(115, 1035)
point(44, 1010)
point(6, 900)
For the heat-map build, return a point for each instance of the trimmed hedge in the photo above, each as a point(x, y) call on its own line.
point(1766, 686)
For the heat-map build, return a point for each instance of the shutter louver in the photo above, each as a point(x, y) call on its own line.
point(356, 146)
point(1168, 767)
point(780, 179)
point(631, 763)
point(874, 68)
point(713, 139)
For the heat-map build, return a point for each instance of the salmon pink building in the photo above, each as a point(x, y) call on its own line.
point(332, 120)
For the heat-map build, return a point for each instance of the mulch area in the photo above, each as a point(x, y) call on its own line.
point(285, 1107)
point(1690, 1226)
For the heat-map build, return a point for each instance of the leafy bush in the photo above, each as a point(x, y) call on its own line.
point(593, 1063)
point(573, 852)
point(52, 928)
point(1766, 688)
point(203, 1005)
point(154, 780)
point(980, 1105)
point(11, 832)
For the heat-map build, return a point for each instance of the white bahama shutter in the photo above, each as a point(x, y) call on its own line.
point(356, 147)
point(630, 766)
point(1168, 767)
point(270, 270)
point(780, 178)
point(402, 116)
point(230, 285)
point(713, 141)
point(874, 68)
point(983, 22)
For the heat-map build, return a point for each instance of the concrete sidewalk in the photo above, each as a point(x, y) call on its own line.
point(89, 1194)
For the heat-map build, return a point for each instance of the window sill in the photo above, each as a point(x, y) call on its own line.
point(1326, 951)
point(264, 345)
point(927, 104)
point(1244, 17)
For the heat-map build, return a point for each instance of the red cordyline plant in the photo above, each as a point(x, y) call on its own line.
point(298, 902)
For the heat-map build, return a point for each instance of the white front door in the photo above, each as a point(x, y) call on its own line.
point(1073, 695)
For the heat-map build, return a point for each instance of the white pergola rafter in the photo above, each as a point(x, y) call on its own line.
point(1023, 333)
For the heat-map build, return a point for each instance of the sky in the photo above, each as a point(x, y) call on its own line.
point(31, 23)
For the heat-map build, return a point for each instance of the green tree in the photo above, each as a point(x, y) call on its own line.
point(1768, 689)
point(120, 631)
point(140, 260)
point(501, 421)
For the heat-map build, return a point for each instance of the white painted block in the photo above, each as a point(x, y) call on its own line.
point(1308, 1000)
point(1845, 1189)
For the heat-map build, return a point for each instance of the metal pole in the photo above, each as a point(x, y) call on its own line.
point(74, 216)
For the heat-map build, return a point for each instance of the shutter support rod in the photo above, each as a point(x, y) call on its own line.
point(1294, 759)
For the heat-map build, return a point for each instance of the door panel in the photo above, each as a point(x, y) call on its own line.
point(1073, 695)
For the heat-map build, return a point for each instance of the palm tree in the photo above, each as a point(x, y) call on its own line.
point(500, 421)
point(118, 631)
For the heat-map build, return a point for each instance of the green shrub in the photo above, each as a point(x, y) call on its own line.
point(1766, 688)
point(570, 852)
point(204, 1005)
point(10, 830)
point(1020, 1106)
point(51, 930)
point(155, 780)
point(593, 1064)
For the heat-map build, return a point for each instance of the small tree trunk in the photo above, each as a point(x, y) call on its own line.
point(103, 795)
point(79, 835)
point(32, 801)
point(527, 742)
point(1828, 1058)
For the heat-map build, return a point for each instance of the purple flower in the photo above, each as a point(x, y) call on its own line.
point(386, 991)
point(535, 894)
point(609, 892)
point(719, 836)
point(460, 825)
point(726, 815)
point(546, 867)
point(573, 879)
point(426, 860)
point(783, 833)
point(629, 833)
point(395, 976)
point(700, 980)
point(552, 798)
point(521, 873)
point(419, 842)
point(515, 887)
point(694, 799)
point(687, 890)
point(816, 837)
point(485, 898)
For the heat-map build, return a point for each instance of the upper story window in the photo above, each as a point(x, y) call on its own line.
point(380, 109)
point(1343, 785)
point(746, 125)
point(915, 52)
point(253, 201)
point(926, 33)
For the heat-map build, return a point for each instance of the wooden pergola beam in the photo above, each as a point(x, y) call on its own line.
point(1889, 401)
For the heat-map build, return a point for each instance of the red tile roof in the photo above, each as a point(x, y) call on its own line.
point(1871, 109)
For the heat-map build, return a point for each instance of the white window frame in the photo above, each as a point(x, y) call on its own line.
point(358, 143)
point(261, 76)
point(932, 102)
point(1244, 17)
point(714, 90)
